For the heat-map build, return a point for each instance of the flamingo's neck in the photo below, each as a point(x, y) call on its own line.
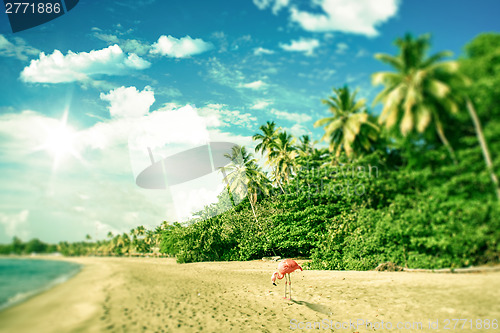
point(279, 276)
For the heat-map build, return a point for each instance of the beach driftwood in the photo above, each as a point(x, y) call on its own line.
point(392, 267)
point(276, 258)
point(388, 267)
point(484, 269)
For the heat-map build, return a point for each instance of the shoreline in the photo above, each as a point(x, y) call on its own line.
point(19, 298)
point(45, 306)
point(24, 296)
point(157, 294)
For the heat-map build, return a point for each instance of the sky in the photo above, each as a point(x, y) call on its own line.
point(82, 97)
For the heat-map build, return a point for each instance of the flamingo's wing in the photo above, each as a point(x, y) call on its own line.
point(287, 266)
point(291, 265)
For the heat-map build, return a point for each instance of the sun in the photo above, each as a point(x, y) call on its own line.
point(60, 141)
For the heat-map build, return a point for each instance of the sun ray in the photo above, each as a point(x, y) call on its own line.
point(60, 140)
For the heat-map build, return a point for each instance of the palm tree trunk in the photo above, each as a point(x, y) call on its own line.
point(227, 185)
point(484, 146)
point(278, 181)
point(443, 139)
point(279, 184)
point(253, 211)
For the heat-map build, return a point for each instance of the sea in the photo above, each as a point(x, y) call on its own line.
point(22, 278)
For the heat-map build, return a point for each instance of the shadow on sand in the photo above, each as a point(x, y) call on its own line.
point(315, 307)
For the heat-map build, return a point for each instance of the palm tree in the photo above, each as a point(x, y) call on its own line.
point(149, 240)
point(306, 146)
point(244, 177)
point(282, 156)
point(418, 89)
point(481, 67)
point(140, 230)
point(267, 138)
point(344, 130)
point(484, 146)
point(304, 150)
point(125, 242)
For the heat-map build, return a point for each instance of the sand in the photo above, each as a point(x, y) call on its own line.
point(158, 295)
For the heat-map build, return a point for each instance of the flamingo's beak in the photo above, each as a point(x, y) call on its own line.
point(274, 283)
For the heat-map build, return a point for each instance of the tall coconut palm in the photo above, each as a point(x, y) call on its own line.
point(138, 238)
point(349, 128)
point(266, 138)
point(244, 177)
point(306, 146)
point(418, 89)
point(483, 144)
point(123, 243)
point(282, 156)
point(149, 240)
point(481, 65)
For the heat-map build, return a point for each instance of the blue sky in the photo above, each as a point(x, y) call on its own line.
point(79, 93)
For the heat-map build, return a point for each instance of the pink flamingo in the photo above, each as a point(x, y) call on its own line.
point(285, 267)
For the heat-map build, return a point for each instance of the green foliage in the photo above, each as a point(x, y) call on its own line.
point(430, 233)
point(33, 246)
point(358, 215)
point(482, 65)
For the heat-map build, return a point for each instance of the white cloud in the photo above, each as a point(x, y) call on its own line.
point(57, 68)
point(108, 38)
point(16, 49)
point(260, 104)
point(260, 50)
point(172, 126)
point(20, 138)
point(298, 130)
point(129, 102)
point(305, 45)
point(362, 53)
point(15, 224)
point(218, 135)
point(135, 46)
point(218, 115)
point(224, 75)
point(324, 74)
point(255, 85)
point(277, 5)
point(128, 45)
point(359, 17)
point(179, 48)
point(341, 48)
point(294, 117)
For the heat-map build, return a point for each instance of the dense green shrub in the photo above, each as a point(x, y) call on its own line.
point(438, 216)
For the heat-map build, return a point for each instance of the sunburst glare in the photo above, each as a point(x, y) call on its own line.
point(60, 141)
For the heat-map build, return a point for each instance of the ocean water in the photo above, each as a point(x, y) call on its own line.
point(23, 278)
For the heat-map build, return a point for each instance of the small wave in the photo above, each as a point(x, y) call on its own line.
point(21, 297)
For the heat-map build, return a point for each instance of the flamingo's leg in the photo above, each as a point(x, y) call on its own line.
point(286, 282)
point(290, 278)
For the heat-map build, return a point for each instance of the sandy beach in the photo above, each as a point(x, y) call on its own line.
point(158, 295)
